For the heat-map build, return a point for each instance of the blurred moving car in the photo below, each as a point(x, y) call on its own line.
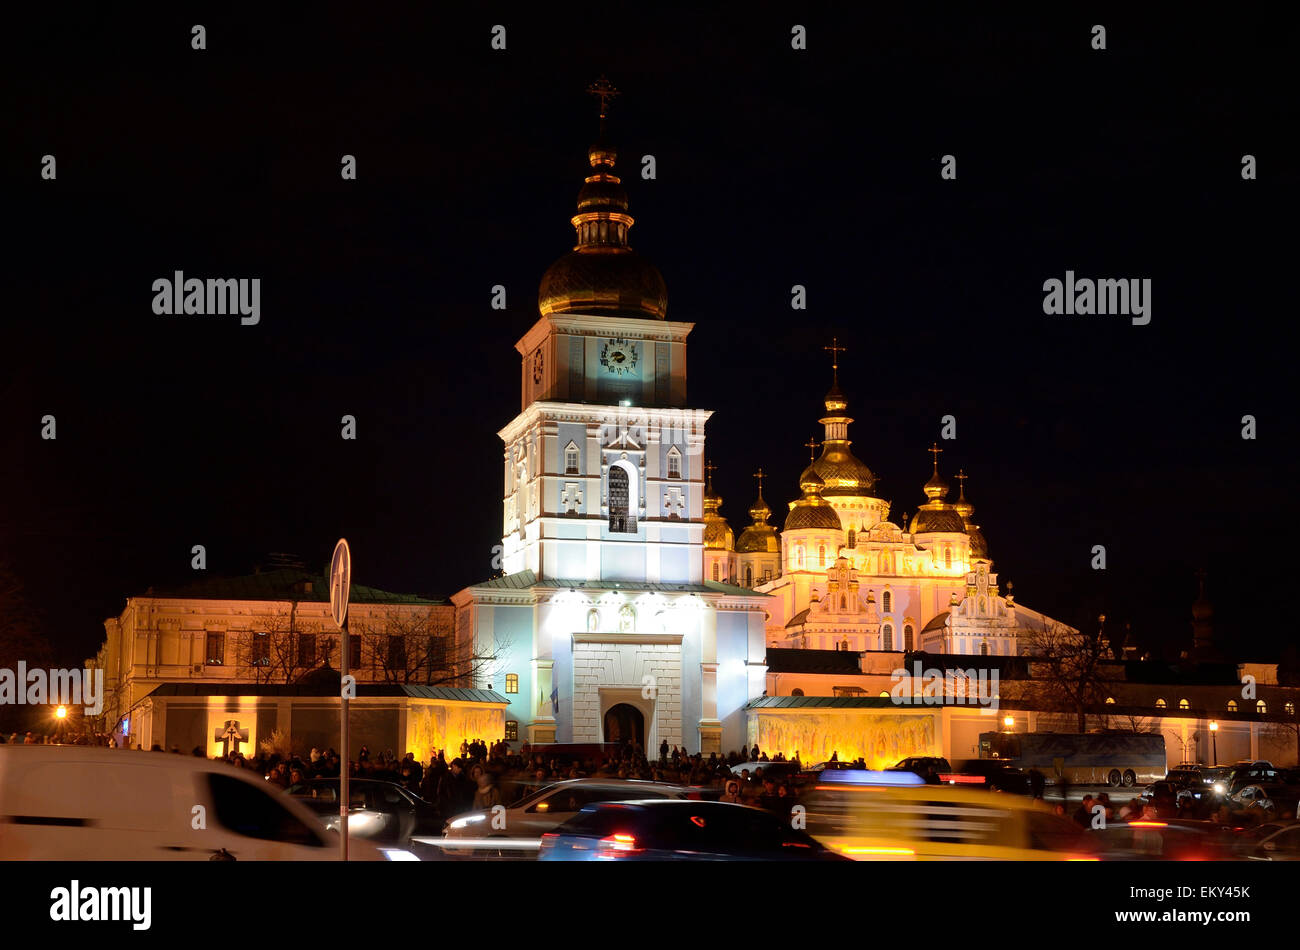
point(667, 830)
point(378, 811)
point(876, 819)
point(549, 807)
point(1158, 840)
point(1217, 778)
point(1252, 773)
point(995, 775)
point(1276, 841)
point(80, 803)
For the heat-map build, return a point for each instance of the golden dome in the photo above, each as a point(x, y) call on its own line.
point(842, 472)
point(812, 510)
point(718, 535)
point(759, 537)
point(978, 546)
point(602, 274)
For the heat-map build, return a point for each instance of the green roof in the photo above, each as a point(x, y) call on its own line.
point(453, 693)
point(282, 584)
point(525, 580)
point(834, 702)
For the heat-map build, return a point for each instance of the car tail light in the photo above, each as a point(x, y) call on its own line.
point(1083, 859)
point(954, 779)
point(1148, 824)
point(548, 840)
point(617, 844)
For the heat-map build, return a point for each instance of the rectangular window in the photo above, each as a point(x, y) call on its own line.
point(512, 730)
point(307, 650)
point(261, 649)
point(354, 651)
point(397, 653)
point(674, 465)
point(512, 682)
point(571, 460)
point(216, 648)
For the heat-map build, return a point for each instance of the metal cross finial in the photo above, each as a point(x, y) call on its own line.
point(760, 476)
point(710, 468)
point(605, 91)
point(835, 350)
point(811, 445)
point(961, 480)
point(935, 450)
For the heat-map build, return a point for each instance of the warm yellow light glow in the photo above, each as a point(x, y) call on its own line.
point(1214, 727)
point(854, 850)
point(1009, 722)
point(61, 712)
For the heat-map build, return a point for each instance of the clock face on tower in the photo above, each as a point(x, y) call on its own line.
point(619, 356)
point(538, 363)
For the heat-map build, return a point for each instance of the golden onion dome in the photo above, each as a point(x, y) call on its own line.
point(760, 537)
point(842, 472)
point(929, 519)
point(979, 547)
point(718, 535)
point(602, 274)
point(812, 510)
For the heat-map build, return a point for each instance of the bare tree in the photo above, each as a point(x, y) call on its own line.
point(419, 646)
point(270, 650)
point(1068, 671)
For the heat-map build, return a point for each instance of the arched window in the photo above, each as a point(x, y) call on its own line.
point(821, 555)
point(907, 637)
point(749, 577)
point(674, 463)
point(887, 636)
point(947, 556)
point(796, 692)
point(1160, 704)
point(1232, 705)
point(1184, 704)
point(626, 619)
point(885, 693)
point(887, 602)
point(984, 648)
point(622, 517)
point(1261, 707)
point(512, 682)
point(593, 620)
point(571, 459)
point(798, 556)
point(845, 644)
point(886, 566)
point(853, 538)
point(715, 570)
point(844, 603)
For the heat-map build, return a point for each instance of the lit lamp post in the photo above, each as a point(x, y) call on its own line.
point(60, 719)
point(1009, 722)
point(1214, 740)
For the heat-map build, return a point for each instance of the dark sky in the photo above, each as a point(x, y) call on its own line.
point(775, 167)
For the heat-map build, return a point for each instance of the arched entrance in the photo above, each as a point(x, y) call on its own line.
point(625, 723)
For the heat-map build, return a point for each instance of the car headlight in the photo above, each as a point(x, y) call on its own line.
point(1218, 787)
point(467, 821)
point(397, 854)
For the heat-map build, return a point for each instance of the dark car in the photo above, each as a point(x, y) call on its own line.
point(381, 811)
point(993, 774)
point(1252, 773)
point(1275, 841)
point(929, 767)
point(1159, 840)
point(679, 831)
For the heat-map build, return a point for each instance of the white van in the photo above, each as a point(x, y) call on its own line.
point(78, 803)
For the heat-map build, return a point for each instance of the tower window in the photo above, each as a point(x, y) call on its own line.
point(907, 637)
point(984, 648)
point(715, 570)
point(853, 538)
point(947, 556)
point(887, 601)
point(674, 463)
point(512, 682)
point(749, 577)
point(571, 460)
point(216, 648)
point(887, 636)
point(622, 519)
point(821, 555)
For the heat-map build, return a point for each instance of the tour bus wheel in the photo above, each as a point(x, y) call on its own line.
point(1114, 778)
point(1129, 778)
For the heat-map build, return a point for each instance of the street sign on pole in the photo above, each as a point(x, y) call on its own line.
point(340, 587)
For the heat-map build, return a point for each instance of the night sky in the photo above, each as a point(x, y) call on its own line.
point(775, 167)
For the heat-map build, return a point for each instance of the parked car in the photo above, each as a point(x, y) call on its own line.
point(544, 810)
point(667, 830)
point(80, 803)
point(1273, 799)
point(1217, 777)
point(1252, 773)
point(992, 774)
point(929, 767)
point(379, 811)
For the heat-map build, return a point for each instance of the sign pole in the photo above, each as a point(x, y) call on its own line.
point(340, 588)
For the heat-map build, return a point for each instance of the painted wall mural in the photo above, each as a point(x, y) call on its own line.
point(880, 740)
point(433, 726)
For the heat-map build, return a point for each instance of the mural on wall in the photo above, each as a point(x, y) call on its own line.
point(880, 740)
point(433, 726)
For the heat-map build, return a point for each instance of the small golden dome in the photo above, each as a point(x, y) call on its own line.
point(979, 547)
point(718, 535)
point(760, 537)
point(812, 510)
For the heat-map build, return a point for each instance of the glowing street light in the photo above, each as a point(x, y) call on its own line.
point(61, 712)
point(1214, 739)
point(1009, 722)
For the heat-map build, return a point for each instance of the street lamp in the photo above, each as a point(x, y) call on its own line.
point(1009, 722)
point(1214, 740)
point(61, 712)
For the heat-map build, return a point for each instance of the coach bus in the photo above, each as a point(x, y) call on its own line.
point(1096, 758)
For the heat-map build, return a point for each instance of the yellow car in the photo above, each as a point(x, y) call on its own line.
point(870, 819)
